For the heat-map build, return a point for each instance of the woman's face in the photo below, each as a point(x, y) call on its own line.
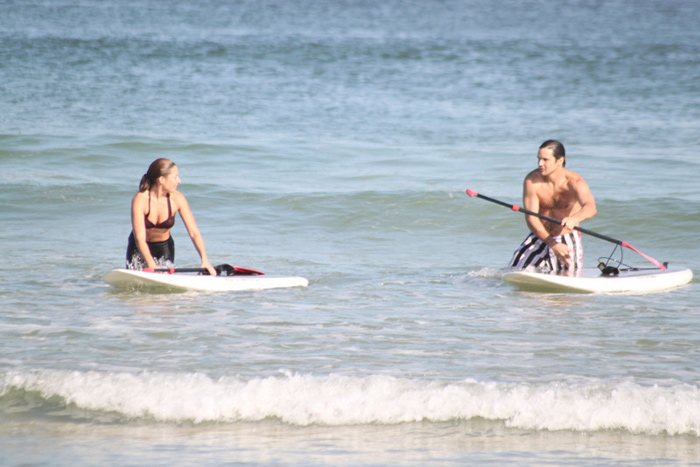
point(171, 180)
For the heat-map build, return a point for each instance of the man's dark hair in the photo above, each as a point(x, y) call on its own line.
point(557, 149)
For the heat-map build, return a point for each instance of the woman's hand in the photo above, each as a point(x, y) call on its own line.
point(206, 265)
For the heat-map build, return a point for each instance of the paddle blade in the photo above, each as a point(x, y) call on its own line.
point(472, 193)
point(656, 263)
point(236, 271)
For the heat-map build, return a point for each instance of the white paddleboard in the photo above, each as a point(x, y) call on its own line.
point(590, 280)
point(135, 280)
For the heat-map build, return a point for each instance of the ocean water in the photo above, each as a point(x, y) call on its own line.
point(335, 140)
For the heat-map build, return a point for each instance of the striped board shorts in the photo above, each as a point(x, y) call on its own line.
point(534, 253)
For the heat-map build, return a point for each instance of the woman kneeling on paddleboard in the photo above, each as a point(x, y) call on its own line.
point(153, 212)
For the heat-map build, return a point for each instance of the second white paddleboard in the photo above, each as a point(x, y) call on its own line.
point(590, 280)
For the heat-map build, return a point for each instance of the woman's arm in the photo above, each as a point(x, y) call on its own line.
point(138, 225)
point(188, 218)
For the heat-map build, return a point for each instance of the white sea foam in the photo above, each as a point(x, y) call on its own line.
point(340, 400)
point(486, 272)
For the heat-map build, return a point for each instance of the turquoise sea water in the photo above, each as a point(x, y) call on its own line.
point(335, 140)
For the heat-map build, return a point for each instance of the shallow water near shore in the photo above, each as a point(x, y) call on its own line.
point(335, 141)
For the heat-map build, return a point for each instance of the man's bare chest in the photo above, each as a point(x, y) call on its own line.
point(553, 199)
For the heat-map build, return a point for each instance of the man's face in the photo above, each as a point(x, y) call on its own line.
point(547, 163)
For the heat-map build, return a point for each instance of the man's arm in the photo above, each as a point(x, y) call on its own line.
point(585, 200)
point(531, 202)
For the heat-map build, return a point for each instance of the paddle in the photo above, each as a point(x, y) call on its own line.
point(220, 269)
point(580, 229)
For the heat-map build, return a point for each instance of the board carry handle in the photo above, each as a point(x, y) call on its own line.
point(221, 270)
point(515, 207)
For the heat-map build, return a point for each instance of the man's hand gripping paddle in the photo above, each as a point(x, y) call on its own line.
point(580, 229)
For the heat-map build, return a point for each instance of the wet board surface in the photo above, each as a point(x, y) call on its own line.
point(590, 280)
point(134, 280)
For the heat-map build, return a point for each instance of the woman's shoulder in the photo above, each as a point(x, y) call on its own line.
point(140, 198)
point(177, 196)
point(178, 199)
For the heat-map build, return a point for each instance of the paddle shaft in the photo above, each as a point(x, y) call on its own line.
point(515, 207)
point(174, 270)
point(230, 270)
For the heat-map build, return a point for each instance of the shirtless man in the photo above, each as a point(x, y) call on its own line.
point(554, 191)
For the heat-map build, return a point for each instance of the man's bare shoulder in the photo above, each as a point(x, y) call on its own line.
point(573, 178)
point(534, 177)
